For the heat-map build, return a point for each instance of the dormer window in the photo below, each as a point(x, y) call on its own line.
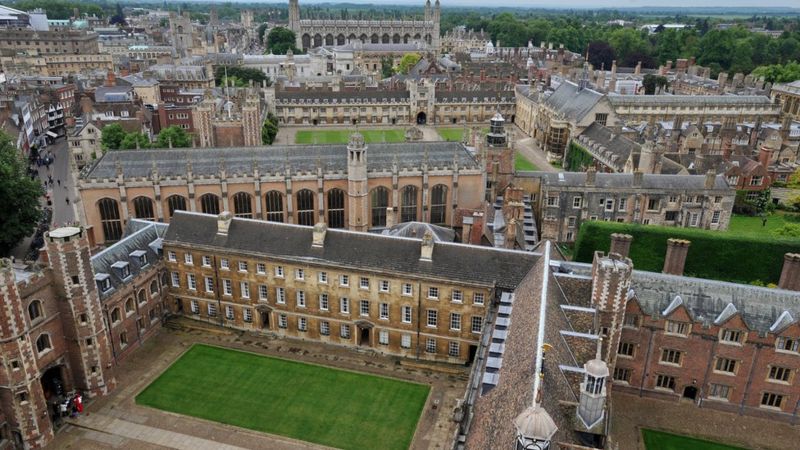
point(787, 344)
point(103, 282)
point(731, 336)
point(679, 328)
point(140, 256)
point(123, 269)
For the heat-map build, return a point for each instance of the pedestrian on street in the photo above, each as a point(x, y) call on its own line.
point(59, 182)
point(67, 199)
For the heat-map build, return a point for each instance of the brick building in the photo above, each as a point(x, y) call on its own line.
point(67, 323)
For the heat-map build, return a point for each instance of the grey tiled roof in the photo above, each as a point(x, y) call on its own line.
point(345, 249)
point(305, 158)
point(615, 143)
point(572, 102)
point(622, 180)
point(694, 100)
point(342, 96)
point(418, 229)
point(139, 237)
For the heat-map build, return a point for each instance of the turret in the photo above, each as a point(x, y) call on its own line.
point(357, 183)
point(497, 132)
point(428, 14)
point(592, 406)
point(611, 281)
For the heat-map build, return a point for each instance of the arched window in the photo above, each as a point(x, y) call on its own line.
point(305, 207)
point(408, 204)
point(142, 296)
point(35, 310)
point(243, 205)
point(274, 200)
point(129, 306)
point(176, 203)
point(143, 208)
point(43, 342)
point(153, 287)
point(375, 39)
point(209, 204)
point(317, 40)
point(379, 201)
point(109, 218)
point(439, 204)
point(115, 315)
point(336, 208)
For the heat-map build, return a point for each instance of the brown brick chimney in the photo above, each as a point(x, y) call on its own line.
point(790, 274)
point(765, 156)
point(620, 244)
point(711, 179)
point(675, 260)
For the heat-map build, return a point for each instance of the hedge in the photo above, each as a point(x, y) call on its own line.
point(716, 255)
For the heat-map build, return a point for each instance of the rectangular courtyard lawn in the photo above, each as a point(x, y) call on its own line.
point(658, 440)
point(302, 401)
point(522, 163)
point(343, 136)
point(454, 134)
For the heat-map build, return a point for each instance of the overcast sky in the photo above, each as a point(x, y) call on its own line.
point(582, 3)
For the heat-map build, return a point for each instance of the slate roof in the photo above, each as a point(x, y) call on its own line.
point(571, 101)
point(623, 180)
point(346, 249)
point(342, 96)
point(140, 235)
point(615, 143)
point(683, 100)
point(707, 300)
point(240, 160)
point(418, 229)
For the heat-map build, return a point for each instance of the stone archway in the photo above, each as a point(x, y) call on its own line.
point(422, 118)
point(690, 392)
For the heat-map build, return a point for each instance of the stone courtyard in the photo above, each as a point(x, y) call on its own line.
point(116, 421)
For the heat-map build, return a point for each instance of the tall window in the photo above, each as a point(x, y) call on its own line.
point(243, 205)
point(43, 343)
point(379, 199)
point(274, 206)
point(439, 204)
point(176, 203)
point(336, 208)
point(408, 205)
point(209, 204)
point(35, 310)
point(109, 218)
point(305, 207)
point(143, 208)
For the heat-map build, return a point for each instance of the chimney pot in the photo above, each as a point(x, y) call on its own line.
point(675, 259)
point(426, 253)
point(391, 217)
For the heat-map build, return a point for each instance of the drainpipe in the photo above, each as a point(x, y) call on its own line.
point(419, 314)
point(218, 290)
point(647, 361)
point(110, 334)
point(749, 379)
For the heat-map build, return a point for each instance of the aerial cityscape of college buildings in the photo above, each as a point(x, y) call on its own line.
point(420, 248)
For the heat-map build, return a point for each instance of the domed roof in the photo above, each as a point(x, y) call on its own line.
point(535, 423)
point(498, 117)
point(596, 368)
point(356, 140)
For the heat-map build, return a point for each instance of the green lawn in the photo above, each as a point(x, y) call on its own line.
point(312, 403)
point(657, 440)
point(343, 136)
point(456, 134)
point(522, 163)
point(753, 225)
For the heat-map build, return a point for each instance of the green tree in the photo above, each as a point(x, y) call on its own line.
point(280, 40)
point(652, 82)
point(21, 208)
point(386, 67)
point(269, 130)
point(408, 61)
point(175, 136)
point(779, 73)
point(788, 230)
point(132, 139)
point(112, 136)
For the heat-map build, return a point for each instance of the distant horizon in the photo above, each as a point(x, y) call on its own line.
point(564, 4)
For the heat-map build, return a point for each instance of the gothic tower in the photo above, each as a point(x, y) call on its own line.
point(294, 21)
point(84, 330)
point(357, 189)
point(21, 395)
point(202, 120)
point(251, 119)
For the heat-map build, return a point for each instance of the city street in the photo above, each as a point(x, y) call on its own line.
point(59, 170)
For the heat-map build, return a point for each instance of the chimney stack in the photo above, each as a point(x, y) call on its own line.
point(790, 274)
point(391, 217)
point(620, 244)
point(426, 253)
point(675, 259)
point(224, 223)
point(591, 174)
point(320, 230)
point(638, 176)
point(711, 179)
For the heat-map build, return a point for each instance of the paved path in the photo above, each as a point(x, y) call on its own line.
point(151, 435)
point(529, 149)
